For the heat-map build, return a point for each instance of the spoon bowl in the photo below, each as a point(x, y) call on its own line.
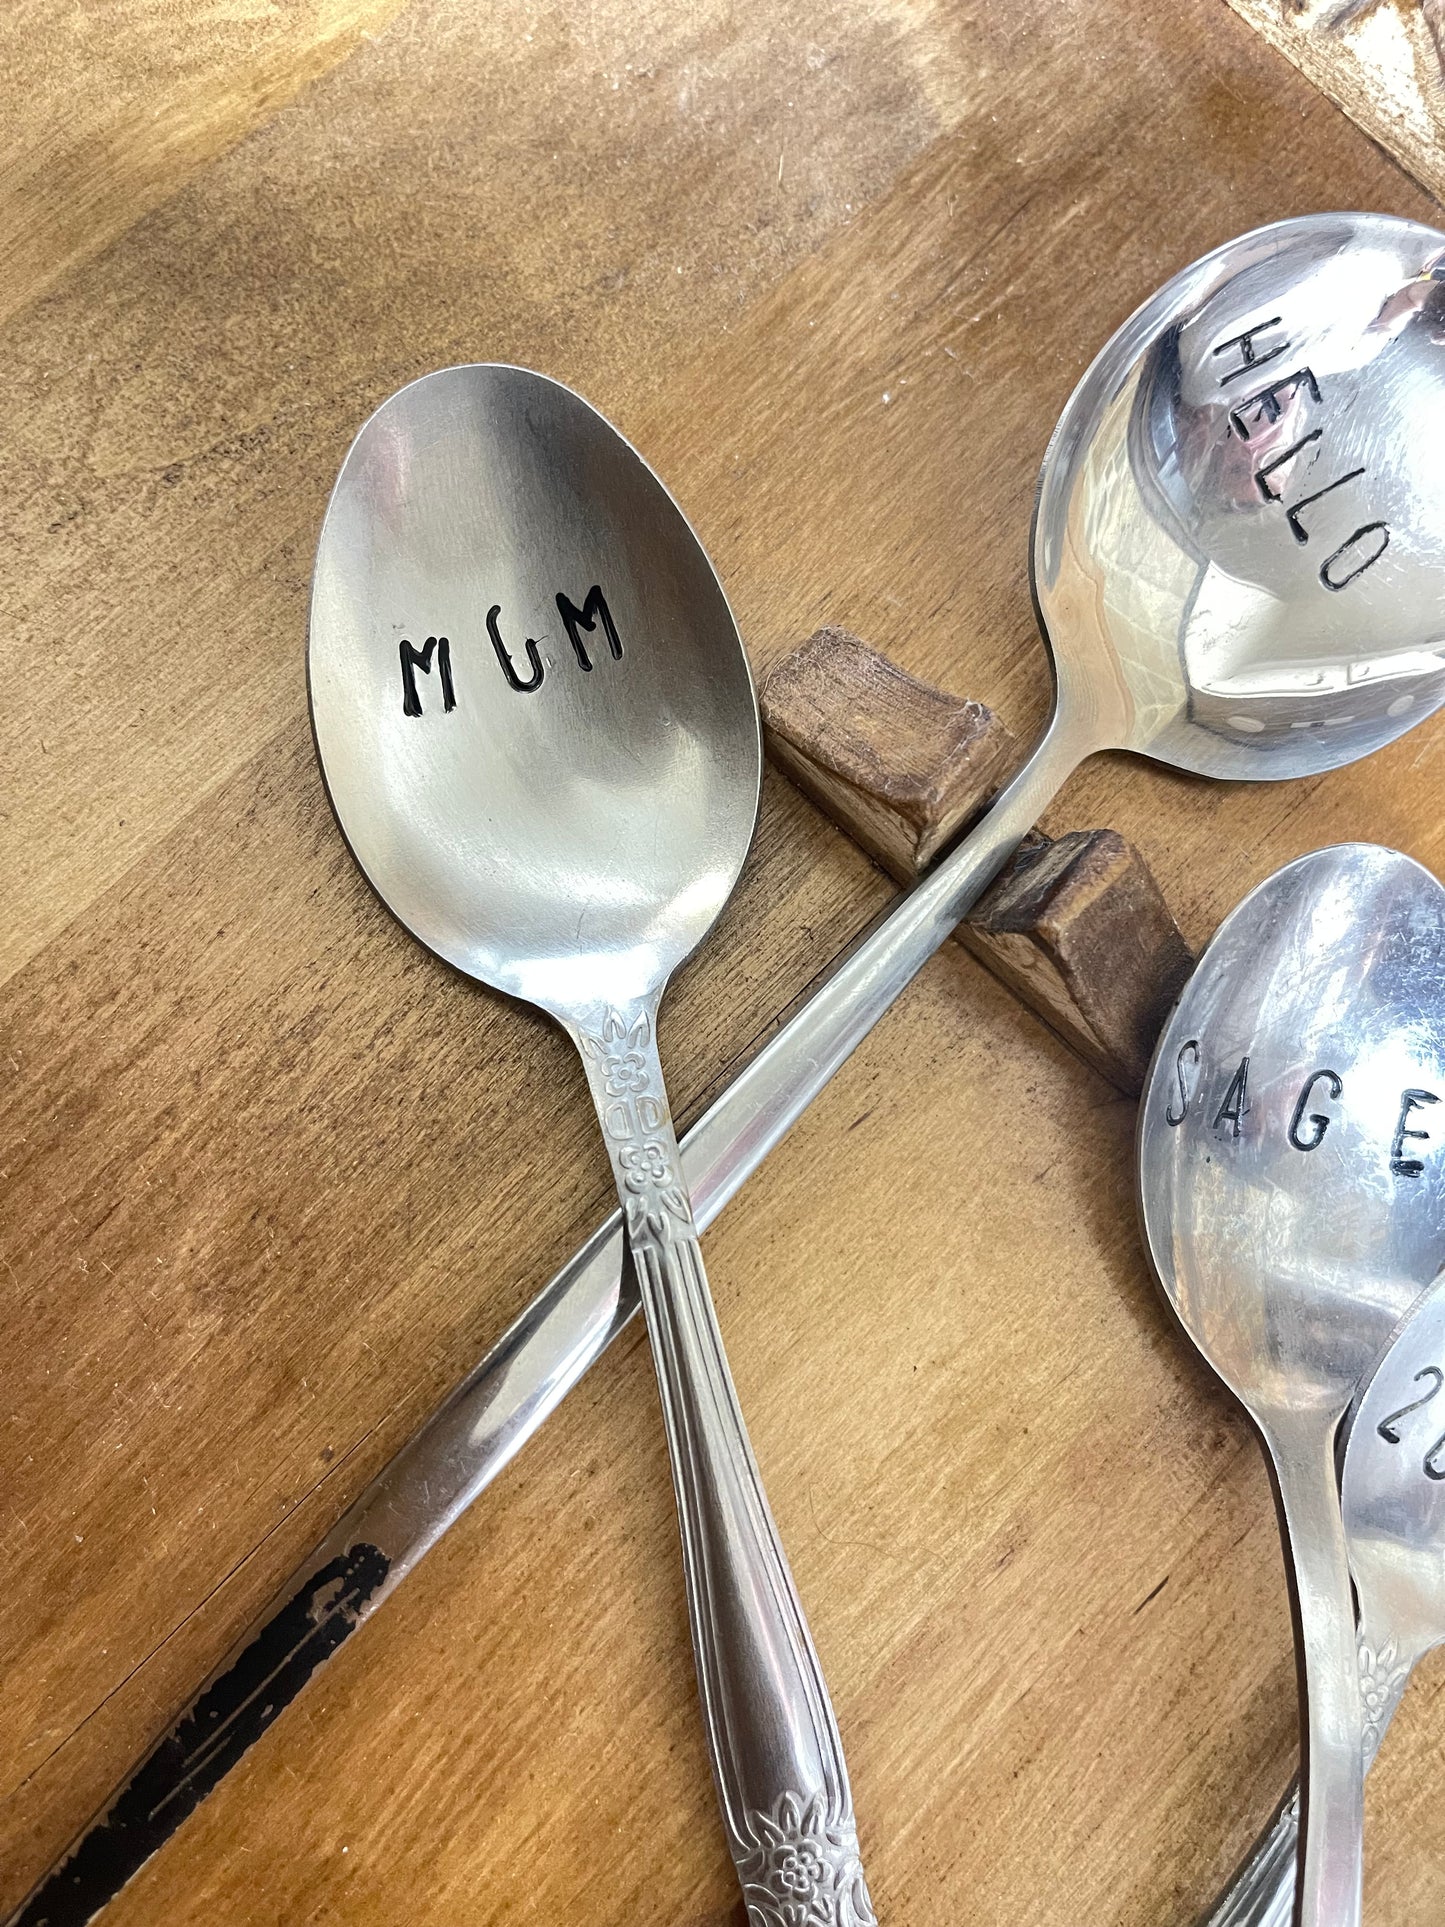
point(1293, 1195)
point(1239, 543)
point(534, 714)
point(1290, 1218)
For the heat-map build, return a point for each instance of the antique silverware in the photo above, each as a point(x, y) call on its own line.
point(1392, 1494)
point(1395, 1536)
point(1174, 586)
point(1294, 1212)
point(562, 814)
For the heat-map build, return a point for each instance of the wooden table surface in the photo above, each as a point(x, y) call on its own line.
point(273, 1178)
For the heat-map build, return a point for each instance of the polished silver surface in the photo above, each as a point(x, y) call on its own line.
point(540, 736)
point(1118, 616)
point(1251, 470)
point(1393, 1506)
point(1294, 1217)
point(571, 840)
point(1393, 1497)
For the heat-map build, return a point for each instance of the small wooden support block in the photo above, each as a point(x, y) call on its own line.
point(1080, 930)
point(901, 765)
point(1077, 927)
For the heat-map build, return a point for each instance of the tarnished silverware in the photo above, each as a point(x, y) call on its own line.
point(1294, 1212)
point(1395, 1534)
point(1392, 1494)
point(1206, 600)
point(563, 819)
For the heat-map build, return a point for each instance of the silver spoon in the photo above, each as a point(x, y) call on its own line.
point(1151, 518)
point(1393, 1498)
point(540, 736)
point(1294, 1206)
point(1395, 1536)
point(1394, 1517)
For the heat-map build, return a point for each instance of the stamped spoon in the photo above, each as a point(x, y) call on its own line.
point(1294, 1209)
point(540, 737)
point(1237, 558)
point(1393, 1503)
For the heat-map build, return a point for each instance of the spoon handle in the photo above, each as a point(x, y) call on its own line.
point(1261, 1893)
point(1332, 1843)
point(478, 1430)
point(776, 1755)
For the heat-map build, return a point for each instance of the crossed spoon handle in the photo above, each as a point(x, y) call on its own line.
point(776, 1755)
point(1301, 1443)
point(1262, 1891)
point(485, 1422)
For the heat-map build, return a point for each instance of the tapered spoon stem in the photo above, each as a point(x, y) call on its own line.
point(1261, 1894)
point(1332, 1778)
point(776, 1755)
point(555, 1340)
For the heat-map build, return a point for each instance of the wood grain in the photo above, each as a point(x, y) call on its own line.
point(1383, 61)
point(109, 111)
point(900, 765)
point(273, 1177)
point(1078, 927)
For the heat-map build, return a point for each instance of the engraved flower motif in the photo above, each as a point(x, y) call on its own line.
point(804, 1870)
point(797, 1912)
point(799, 1869)
point(626, 1074)
point(619, 1052)
point(1382, 1677)
point(644, 1165)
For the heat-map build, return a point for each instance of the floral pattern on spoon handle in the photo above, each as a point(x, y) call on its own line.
point(1261, 1893)
point(766, 1708)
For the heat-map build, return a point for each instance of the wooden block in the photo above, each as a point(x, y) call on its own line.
point(901, 765)
point(1077, 927)
point(1391, 83)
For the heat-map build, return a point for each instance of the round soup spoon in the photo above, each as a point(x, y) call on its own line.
point(1293, 1199)
point(540, 736)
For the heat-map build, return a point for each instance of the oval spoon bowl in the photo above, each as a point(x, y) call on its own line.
point(536, 722)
